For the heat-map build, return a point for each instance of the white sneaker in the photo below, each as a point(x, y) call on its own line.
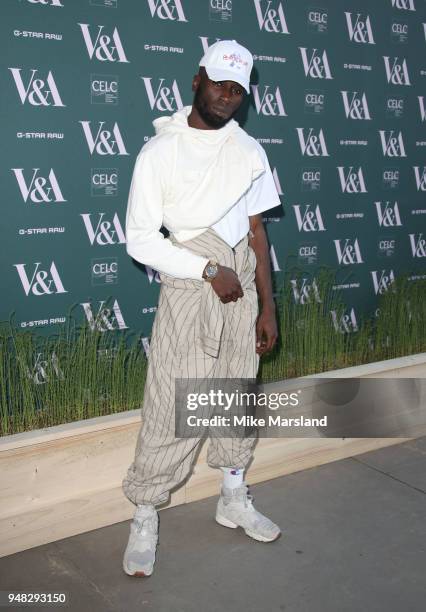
point(235, 509)
point(139, 557)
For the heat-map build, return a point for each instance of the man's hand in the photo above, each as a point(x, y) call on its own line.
point(227, 285)
point(266, 331)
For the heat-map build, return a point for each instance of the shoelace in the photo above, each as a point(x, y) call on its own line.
point(149, 521)
point(241, 494)
point(248, 500)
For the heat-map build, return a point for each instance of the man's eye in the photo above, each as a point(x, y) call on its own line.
point(236, 91)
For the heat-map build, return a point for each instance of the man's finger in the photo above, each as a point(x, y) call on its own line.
point(271, 342)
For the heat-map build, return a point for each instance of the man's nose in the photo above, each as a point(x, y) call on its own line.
point(226, 93)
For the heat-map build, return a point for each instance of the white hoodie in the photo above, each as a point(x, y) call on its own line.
point(187, 180)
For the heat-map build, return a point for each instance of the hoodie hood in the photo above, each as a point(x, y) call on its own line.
point(178, 124)
point(237, 140)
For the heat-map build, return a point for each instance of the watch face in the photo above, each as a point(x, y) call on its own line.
point(211, 270)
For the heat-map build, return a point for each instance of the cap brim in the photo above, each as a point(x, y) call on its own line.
point(218, 74)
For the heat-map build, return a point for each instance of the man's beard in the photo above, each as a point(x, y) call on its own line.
point(213, 121)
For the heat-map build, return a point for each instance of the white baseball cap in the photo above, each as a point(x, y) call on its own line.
point(226, 60)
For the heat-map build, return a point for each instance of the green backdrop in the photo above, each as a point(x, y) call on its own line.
point(338, 101)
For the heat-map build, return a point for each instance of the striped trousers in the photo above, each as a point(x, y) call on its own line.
point(194, 335)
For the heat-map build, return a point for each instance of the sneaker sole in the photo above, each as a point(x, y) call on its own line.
point(137, 574)
point(227, 523)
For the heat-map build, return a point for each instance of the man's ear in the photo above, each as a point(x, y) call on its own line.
point(196, 82)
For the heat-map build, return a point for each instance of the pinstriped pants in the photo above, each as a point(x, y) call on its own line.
point(177, 350)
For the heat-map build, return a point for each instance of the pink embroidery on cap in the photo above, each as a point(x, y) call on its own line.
point(236, 59)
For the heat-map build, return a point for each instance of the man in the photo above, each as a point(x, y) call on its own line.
point(207, 182)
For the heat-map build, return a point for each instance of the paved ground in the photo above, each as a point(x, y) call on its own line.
point(354, 542)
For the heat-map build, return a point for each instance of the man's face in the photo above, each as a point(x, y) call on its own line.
point(216, 101)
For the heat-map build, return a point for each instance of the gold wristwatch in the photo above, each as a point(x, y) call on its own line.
point(210, 270)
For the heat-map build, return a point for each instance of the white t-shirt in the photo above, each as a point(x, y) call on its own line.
point(261, 196)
